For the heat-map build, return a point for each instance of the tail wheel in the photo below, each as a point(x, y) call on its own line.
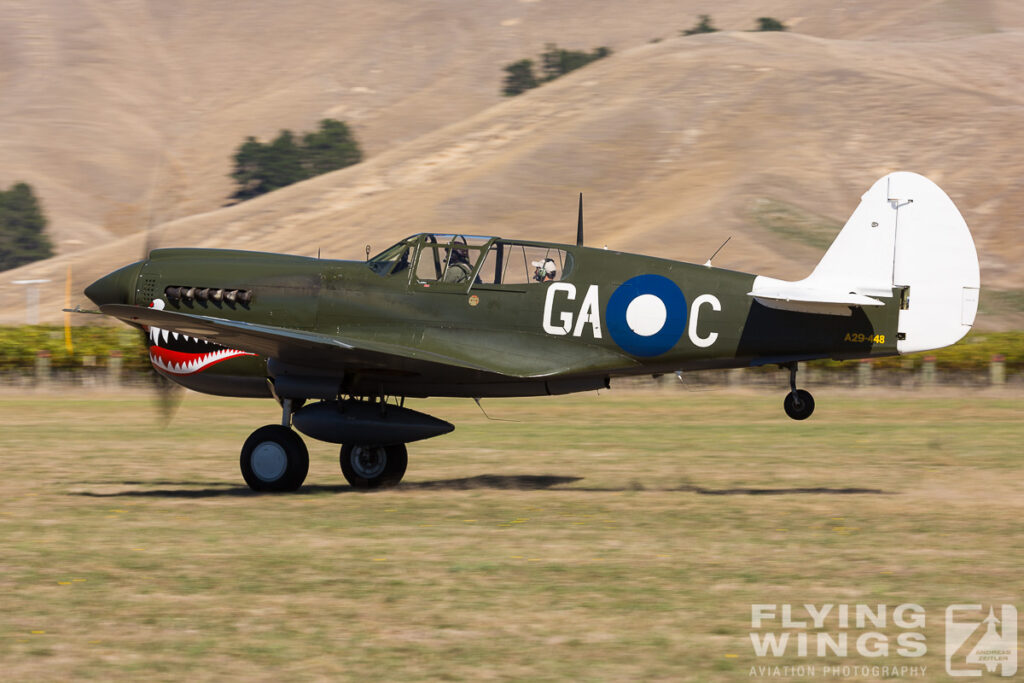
point(274, 458)
point(373, 467)
point(799, 404)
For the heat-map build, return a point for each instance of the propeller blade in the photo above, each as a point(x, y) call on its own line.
point(167, 395)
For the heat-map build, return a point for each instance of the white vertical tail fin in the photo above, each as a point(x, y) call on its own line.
point(905, 236)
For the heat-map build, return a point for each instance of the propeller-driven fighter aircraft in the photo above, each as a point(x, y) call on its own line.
point(341, 344)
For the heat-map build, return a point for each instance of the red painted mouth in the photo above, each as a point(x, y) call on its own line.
point(180, 354)
point(181, 363)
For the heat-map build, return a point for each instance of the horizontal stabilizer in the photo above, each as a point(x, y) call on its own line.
point(797, 296)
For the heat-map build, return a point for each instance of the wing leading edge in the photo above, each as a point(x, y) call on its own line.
point(508, 354)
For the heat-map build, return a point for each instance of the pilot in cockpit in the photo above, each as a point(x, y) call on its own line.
point(544, 271)
point(459, 268)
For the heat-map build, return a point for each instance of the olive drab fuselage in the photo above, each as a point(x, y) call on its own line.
point(608, 314)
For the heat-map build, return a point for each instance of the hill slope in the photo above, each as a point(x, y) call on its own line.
point(676, 145)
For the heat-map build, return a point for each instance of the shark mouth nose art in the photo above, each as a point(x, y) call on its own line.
point(179, 354)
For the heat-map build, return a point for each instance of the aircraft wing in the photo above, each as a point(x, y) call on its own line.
point(519, 355)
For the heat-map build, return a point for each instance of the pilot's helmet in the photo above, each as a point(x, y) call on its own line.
point(459, 255)
point(545, 268)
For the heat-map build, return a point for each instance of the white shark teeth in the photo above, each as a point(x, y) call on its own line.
point(159, 337)
point(195, 365)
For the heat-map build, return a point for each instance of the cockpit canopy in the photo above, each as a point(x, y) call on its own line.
point(472, 260)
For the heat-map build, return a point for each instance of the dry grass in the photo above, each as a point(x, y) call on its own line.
point(618, 537)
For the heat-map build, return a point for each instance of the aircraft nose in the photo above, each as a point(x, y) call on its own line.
point(117, 287)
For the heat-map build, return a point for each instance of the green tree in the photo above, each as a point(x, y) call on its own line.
point(283, 162)
point(265, 167)
point(519, 78)
point(248, 173)
point(22, 226)
point(702, 26)
point(557, 62)
point(330, 148)
point(769, 24)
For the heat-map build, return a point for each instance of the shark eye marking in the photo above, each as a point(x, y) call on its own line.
point(180, 354)
point(646, 315)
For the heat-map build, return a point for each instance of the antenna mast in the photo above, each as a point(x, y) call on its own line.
point(708, 264)
point(579, 224)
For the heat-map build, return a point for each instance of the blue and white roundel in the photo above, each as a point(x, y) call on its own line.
point(646, 315)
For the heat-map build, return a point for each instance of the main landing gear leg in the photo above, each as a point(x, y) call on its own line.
point(799, 404)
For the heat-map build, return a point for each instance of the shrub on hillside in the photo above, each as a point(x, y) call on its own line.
point(769, 24)
point(22, 226)
point(519, 78)
point(555, 62)
point(703, 25)
point(265, 167)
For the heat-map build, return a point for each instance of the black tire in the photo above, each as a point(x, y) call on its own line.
point(799, 404)
point(373, 467)
point(274, 459)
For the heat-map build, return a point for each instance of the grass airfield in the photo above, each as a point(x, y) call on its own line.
point(620, 536)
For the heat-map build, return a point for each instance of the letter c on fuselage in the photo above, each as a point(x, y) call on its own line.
point(566, 318)
point(716, 305)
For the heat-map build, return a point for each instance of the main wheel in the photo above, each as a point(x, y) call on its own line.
point(799, 404)
point(274, 459)
point(373, 467)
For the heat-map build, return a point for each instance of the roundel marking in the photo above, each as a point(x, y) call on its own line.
point(646, 315)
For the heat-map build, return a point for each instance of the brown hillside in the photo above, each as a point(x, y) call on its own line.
point(676, 145)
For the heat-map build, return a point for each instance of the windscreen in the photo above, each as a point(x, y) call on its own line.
point(394, 259)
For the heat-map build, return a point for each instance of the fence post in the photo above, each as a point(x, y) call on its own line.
point(42, 368)
point(734, 377)
point(864, 373)
point(997, 370)
point(928, 371)
point(114, 368)
point(907, 378)
point(809, 373)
